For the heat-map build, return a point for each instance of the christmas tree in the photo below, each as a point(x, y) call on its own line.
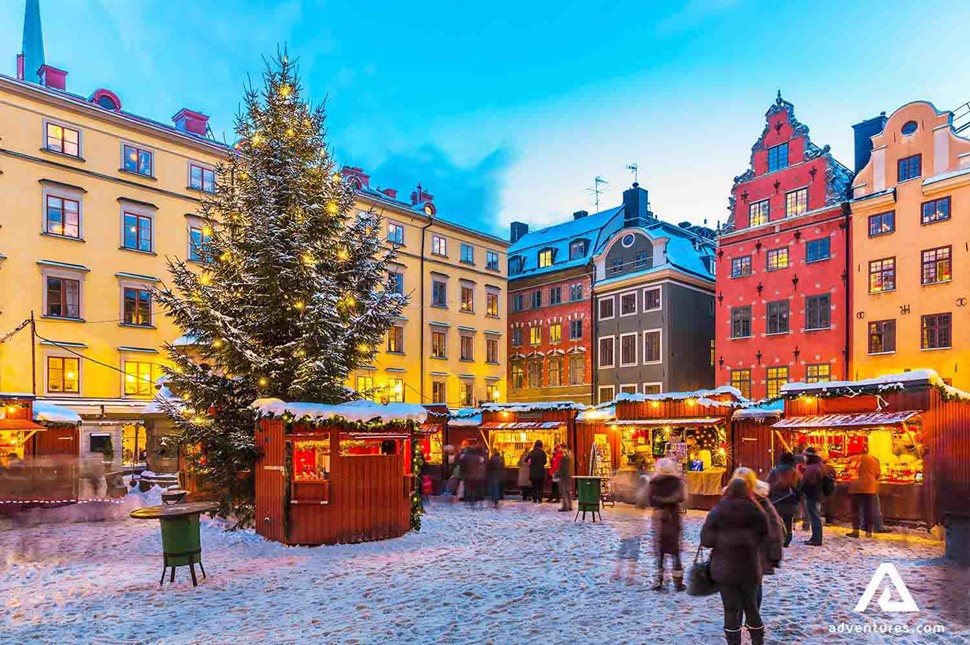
point(292, 293)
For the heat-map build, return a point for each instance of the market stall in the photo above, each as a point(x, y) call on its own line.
point(753, 438)
point(331, 474)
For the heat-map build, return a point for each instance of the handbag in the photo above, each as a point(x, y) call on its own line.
point(699, 581)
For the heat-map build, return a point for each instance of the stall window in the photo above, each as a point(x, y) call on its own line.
point(936, 265)
point(936, 331)
point(741, 379)
point(63, 374)
point(358, 446)
point(577, 370)
point(818, 311)
point(778, 317)
point(518, 375)
point(818, 373)
point(138, 378)
point(777, 376)
point(555, 372)
point(311, 460)
point(882, 275)
point(882, 336)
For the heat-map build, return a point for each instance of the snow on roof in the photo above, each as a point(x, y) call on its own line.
point(594, 228)
point(354, 411)
point(533, 407)
point(188, 340)
point(607, 413)
point(51, 413)
point(886, 382)
point(771, 410)
point(702, 396)
point(470, 421)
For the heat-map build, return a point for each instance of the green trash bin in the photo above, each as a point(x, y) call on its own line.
point(181, 540)
point(588, 491)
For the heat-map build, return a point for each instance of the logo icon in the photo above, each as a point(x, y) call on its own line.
point(886, 602)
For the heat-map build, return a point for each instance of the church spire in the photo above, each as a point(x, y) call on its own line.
point(33, 46)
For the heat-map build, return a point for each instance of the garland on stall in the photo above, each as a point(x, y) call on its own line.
point(340, 424)
point(417, 462)
point(287, 490)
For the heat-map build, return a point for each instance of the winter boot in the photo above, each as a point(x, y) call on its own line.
point(733, 636)
point(678, 575)
point(658, 584)
point(853, 534)
point(757, 635)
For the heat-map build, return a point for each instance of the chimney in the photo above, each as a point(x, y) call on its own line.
point(420, 196)
point(863, 138)
point(54, 78)
point(580, 214)
point(357, 175)
point(519, 230)
point(192, 122)
point(635, 211)
point(390, 193)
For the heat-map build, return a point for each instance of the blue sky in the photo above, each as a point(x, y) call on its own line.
point(508, 110)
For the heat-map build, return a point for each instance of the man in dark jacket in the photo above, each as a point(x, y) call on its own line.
point(537, 470)
point(667, 491)
point(735, 530)
point(813, 487)
point(785, 482)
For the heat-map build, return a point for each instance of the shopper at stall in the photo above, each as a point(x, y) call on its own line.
point(523, 481)
point(772, 550)
point(553, 470)
point(563, 474)
point(784, 482)
point(537, 460)
point(814, 484)
point(667, 492)
point(734, 530)
point(496, 476)
point(863, 489)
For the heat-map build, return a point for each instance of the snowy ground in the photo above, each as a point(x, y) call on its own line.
point(521, 574)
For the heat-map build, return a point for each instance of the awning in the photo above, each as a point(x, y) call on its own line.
point(681, 421)
point(20, 424)
point(853, 420)
point(521, 425)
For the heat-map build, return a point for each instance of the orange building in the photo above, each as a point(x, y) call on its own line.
point(910, 230)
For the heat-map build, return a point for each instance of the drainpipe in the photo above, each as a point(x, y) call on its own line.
point(594, 343)
point(846, 213)
point(421, 309)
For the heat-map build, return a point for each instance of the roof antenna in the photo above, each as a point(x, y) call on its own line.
point(634, 168)
point(596, 190)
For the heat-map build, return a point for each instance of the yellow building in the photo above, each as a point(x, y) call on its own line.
point(910, 228)
point(449, 345)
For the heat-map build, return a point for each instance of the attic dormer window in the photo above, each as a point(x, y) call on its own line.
point(546, 257)
point(577, 249)
point(515, 265)
point(106, 99)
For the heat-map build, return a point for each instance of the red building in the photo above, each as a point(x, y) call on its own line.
point(782, 309)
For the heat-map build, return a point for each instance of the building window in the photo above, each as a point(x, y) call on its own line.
point(777, 376)
point(758, 213)
point(395, 387)
point(777, 157)
point(536, 299)
point(937, 210)
point(575, 329)
point(467, 254)
point(628, 304)
point(776, 259)
point(651, 346)
point(202, 178)
point(882, 336)
point(137, 160)
point(439, 293)
point(820, 249)
point(909, 167)
point(518, 375)
point(534, 372)
point(198, 238)
point(66, 141)
point(466, 348)
point(466, 393)
point(555, 332)
point(642, 260)
point(467, 297)
point(577, 249)
point(137, 307)
point(439, 344)
point(936, 265)
point(365, 386)
point(555, 372)
point(818, 373)
point(796, 202)
point(555, 295)
point(606, 308)
point(515, 265)
point(628, 350)
point(628, 389)
point(882, 223)
point(491, 392)
point(138, 232)
point(741, 266)
point(607, 351)
point(545, 258)
point(818, 311)
point(438, 392)
point(741, 322)
point(397, 282)
point(395, 233)
point(535, 335)
point(741, 380)
point(491, 350)
point(652, 388)
point(63, 217)
point(778, 317)
point(518, 302)
point(651, 299)
point(576, 292)
point(616, 265)
point(491, 260)
point(138, 378)
point(516, 337)
point(491, 304)
point(606, 393)
point(711, 357)
point(395, 339)
point(63, 374)
point(577, 370)
point(63, 298)
point(439, 246)
point(936, 331)
point(882, 275)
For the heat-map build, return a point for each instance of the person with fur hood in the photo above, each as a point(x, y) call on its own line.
point(667, 491)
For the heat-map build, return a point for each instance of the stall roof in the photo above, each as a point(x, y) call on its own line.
point(465, 417)
point(701, 396)
point(772, 410)
point(853, 420)
point(46, 411)
point(354, 411)
point(521, 425)
point(915, 378)
point(539, 406)
point(597, 414)
point(679, 421)
point(19, 424)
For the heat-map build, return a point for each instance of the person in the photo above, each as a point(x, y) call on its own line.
point(799, 453)
point(784, 483)
point(523, 481)
point(630, 530)
point(563, 474)
point(667, 492)
point(772, 550)
point(537, 470)
point(553, 469)
point(478, 473)
point(496, 475)
point(813, 487)
point(735, 530)
point(863, 489)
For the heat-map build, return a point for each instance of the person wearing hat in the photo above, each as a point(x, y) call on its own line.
point(813, 488)
point(667, 491)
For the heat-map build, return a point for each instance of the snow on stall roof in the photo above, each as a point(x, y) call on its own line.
point(465, 417)
point(702, 396)
point(533, 407)
point(51, 413)
point(354, 411)
point(771, 410)
point(187, 340)
point(590, 415)
point(886, 382)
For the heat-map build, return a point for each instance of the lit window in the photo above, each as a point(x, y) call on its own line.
point(395, 387)
point(818, 373)
point(518, 375)
point(817, 250)
point(466, 393)
point(882, 336)
point(777, 157)
point(741, 267)
point(909, 167)
point(882, 223)
point(776, 377)
point(466, 345)
point(491, 391)
point(365, 386)
point(63, 217)
point(796, 202)
point(545, 258)
point(197, 241)
point(936, 331)
point(937, 210)
point(491, 303)
point(137, 307)
point(555, 332)
point(138, 378)
point(63, 298)
point(395, 233)
point(439, 245)
point(491, 260)
point(66, 141)
point(202, 178)
point(535, 335)
point(936, 265)
point(758, 213)
point(63, 374)
point(138, 232)
point(439, 344)
point(467, 254)
point(741, 379)
point(137, 160)
point(491, 350)
point(467, 298)
point(395, 339)
point(777, 259)
point(438, 392)
point(882, 275)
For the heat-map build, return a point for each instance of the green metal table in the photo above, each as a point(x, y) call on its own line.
point(181, 542)
point(588, 489)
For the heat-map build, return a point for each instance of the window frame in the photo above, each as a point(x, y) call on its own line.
point(757, 208)
point(936, 263)
point(599, 307)
point(817, 378)
point(435, 386)
point(63, 303)
point(577, 249)
point(938, 329)
point(649, 385)
point(192, 254)
point(646, 299)
point(827, 309)
point(545, 258)
point(636, 304)
point(436, 331)
point(660, 346)
point(555, 332)
point(572, 291)
point(750, 322)
point(777, 254)
point(125, 145)
point(466, 305)
point(600, 354)
point(439, 245)
point(435, 282)
point(466, 341)
point(601, 389)
point(936, 219)
point(139, 215)
point(142, 387)
point(882, 271)
point(818, 241)
point(64, 198)
point(491, 303)
point(203, 169)
point(889, 323)
point(138, 289)
point(573, 359)
point(744, 384)
point(469, 257)
point(558, 373)
point(798, 193)
point(492, 351)
point(63, 357)
point(780, 162)
point(908, 161)
point(491, 260)
point(555, 295)
point(572, 327)
point(776, 380)
point(636, 348)
point(881, 217)
point(779, 317)
point(741, 262)
point(394, 227)
point(48, 123)
point(535, 334)
point(517, 375)
point(535, 299)
point(395, 339)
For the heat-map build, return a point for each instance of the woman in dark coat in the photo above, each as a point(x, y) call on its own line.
point(537, 471)
point(735, 530)
point(496, 476)
point(785, 483)
point(666, 492)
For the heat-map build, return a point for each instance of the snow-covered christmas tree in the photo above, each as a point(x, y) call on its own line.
point(292, 293)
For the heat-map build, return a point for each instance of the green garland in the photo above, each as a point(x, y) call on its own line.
point(417, 461)
point(287, 490)
point(341, 424)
